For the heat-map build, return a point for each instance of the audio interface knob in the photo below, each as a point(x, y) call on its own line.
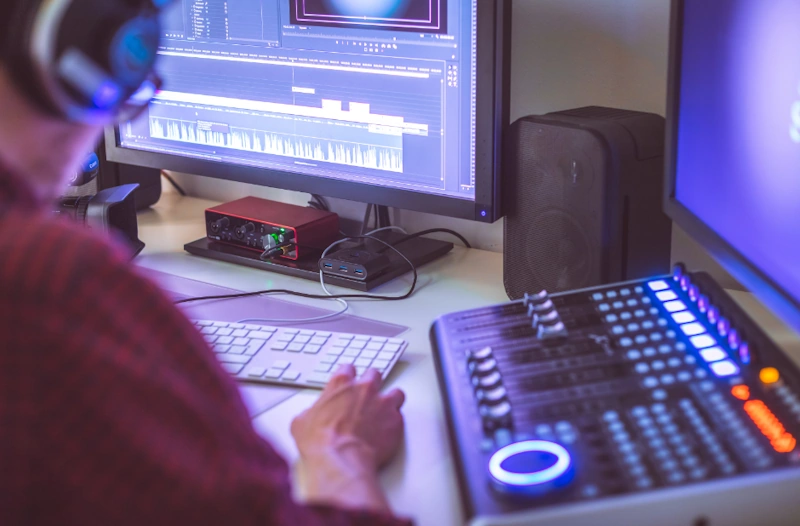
point(220, 225)
point(245, 229)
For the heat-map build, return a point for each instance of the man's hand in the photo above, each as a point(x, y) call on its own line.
point(346, 437)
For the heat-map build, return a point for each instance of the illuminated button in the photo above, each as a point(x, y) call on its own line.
point(723, 326)
point(626, 342)
point(625, 315)
point(640, 313)
point(533, 478)
point(694, 292)
point(703, 303)
point(724, 368)
point(742, 392)
point(693, 329)
point(713, 315)
point(612, 318)
point(769, 375)
point(733, 339)
point(642, 368)
point(634, 354)
point(625, 292)
point(675, 306)
point(611, 294)
point(666, 295)
point(632, 302)
point(744, 353)
point(714, 354)
point(703, 341)
point(647, 325)
point(597, 296)
point(683, 317)
point(619, 305)
point(650, 382)
point(685, 282)
point(678, 272)
point(658, 285)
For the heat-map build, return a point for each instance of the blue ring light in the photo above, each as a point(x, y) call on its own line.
point(562, 464)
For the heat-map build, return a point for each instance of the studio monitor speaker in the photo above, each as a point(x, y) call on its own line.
point(583, 195)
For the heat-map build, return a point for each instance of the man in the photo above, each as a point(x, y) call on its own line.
point(113, 411)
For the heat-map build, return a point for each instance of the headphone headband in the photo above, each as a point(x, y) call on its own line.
point(89, 61)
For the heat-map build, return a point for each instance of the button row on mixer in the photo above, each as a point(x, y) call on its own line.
point(789, 398)
point(708, 438)
point(628, 450)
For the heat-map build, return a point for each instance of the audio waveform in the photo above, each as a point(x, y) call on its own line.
point(304, 148)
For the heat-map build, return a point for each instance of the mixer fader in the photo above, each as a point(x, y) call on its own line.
point(654, 397)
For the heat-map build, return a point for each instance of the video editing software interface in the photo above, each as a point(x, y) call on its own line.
point(738, 163)
point(380, 92)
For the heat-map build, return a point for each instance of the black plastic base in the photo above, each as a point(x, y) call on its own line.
point(419, 251)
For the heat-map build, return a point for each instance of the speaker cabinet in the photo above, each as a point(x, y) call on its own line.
point(583, 196)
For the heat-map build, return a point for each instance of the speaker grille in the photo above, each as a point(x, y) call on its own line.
point(562, 257)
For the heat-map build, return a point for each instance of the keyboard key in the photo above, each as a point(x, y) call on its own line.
point(346, 337)
point(386, 356)
point(380, 365)
point(208, 330)
point(220, 324)
point(379, 339)
point(357, 345)
point(221, 349)
point(260, 335)
point(256, 372)
point(236, 326)
point(318, 340)
point(237, 349)
point(225, 332)
point(352, 352)
point(240, 333)
point(226, 340)
point(318, 378)
point(232, 368)
point(333, 351)
point(324, 334)
point(345, 360)
point(210, 339)
point(301, 339)
point(291, 331)
point(274, 373)
point(392, 347)
point(363, 362)
point(285, 338)
point(204, 323)
point(364, 339)
point(242, 341)
point(369, 354)
point(374, 346)
point(233, 358)
point(281, 364)
point(312, 349)
point(323, 367)
point(290, 376)
point(295, 347)
point(328, 359)
point(254, 347)
point(307, 333)
point(279, 346)
point(257, 328)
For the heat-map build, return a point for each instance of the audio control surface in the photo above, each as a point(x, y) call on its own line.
point(658, 402)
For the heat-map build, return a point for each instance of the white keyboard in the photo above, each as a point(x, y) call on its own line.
point(302, 358)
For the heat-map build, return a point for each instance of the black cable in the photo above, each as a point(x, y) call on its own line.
point(320, 203)
point(320, 296)
point(173, 183)
point(434, 231)
point(365, 221)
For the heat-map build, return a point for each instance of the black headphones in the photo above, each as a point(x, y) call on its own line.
point(88, 61)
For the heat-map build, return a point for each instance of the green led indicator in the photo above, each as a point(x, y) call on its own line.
point(283, 230)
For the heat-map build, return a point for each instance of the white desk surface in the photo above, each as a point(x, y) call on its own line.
point(421, 482)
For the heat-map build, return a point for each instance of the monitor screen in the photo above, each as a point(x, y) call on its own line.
point(737, 162)
point(379, 92)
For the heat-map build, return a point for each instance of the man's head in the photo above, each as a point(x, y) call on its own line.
point(67, 69)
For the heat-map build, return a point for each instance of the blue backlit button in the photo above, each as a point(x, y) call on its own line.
point(713, 315)
point(683, 317)
point(724, 368)
point(733, 339)
point(647, 325)
point(642, 368)
point(625, 315)
point(633, 354)
point(632, 302)
point(633, 327)
point(656, 337)
point(524, 470)
point(618, 329)
point(666, 295)
point(638, 290)
point(693, 329)
point(675, 306)
point(684, 376)
point(610, 416)
point(597, 296)
point(690, 359)
point(625, 292)
point(649, 352)
point(723, 326)
point(611, 294)
point(640, 313)
point(650, 382)
point(702, 341)
point(744, 353)
point(694, 293)
point(612, 318)
point(619, 305)
point(641, 340)
point(667, 379)
point(658, 365)
point(626, 342)
point(674, 362)
point(714, 354)
point(685, 282)
point(658, 285)
point(646, 300)
point(604, 307)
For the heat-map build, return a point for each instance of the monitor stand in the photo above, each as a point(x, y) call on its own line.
point(419, 251)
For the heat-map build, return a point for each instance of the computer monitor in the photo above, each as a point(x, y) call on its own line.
point(734, 140)
point(392, 102)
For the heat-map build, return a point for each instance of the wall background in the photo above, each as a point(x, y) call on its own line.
point(565, 54)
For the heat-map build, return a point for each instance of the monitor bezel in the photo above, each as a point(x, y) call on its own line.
point(746, 272)
point(492, 120)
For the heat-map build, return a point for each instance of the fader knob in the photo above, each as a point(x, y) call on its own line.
point(487, 383)
point(480, 355)
point(535, 299)
point(496, 417)
point(483, 368)
point(492, 397)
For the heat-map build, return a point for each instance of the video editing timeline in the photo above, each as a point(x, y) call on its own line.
point(617, 390)
point(373, 102)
